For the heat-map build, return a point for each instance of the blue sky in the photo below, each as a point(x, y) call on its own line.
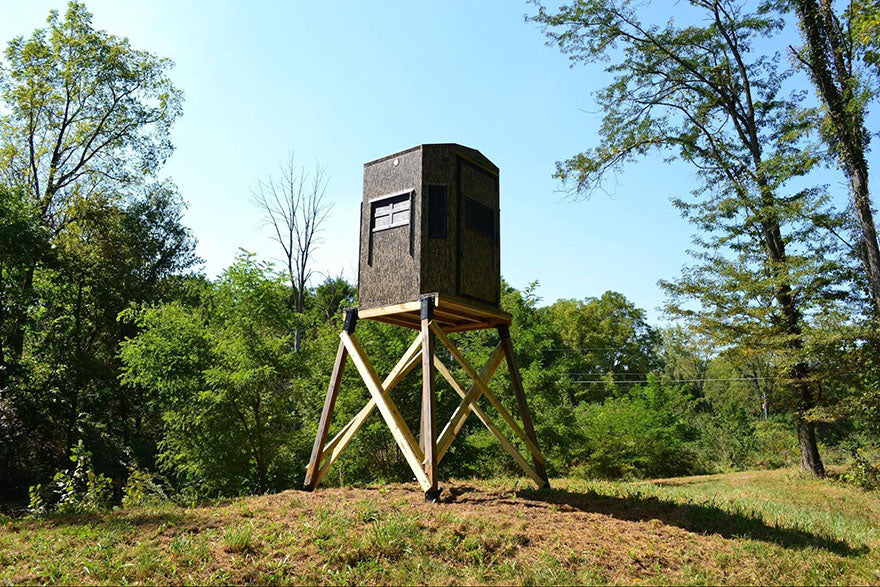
point(347, 82)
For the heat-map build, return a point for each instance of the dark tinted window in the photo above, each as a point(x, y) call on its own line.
point(479, 217)
point(437, 211)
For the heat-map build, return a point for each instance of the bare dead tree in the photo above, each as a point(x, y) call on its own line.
point(294, 206)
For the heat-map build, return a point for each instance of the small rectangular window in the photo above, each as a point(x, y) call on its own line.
point(391, 211)
point(437, 211)
point(479, 217)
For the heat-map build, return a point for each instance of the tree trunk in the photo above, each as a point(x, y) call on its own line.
point(800, 372)
point(859, 182)
point(16, 344)
point(810, 459)
point(830, 67)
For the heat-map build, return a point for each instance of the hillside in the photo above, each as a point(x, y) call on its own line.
point(775, 527)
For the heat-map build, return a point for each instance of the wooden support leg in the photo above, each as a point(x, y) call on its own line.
point(505, 444)
point(502, 411)
point(516, 382)
point(334, 448)
point(428, 434)
point(399, 430)
point(329, 403)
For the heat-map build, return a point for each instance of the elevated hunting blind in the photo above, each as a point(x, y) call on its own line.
point(429, 223)
point(429, 260)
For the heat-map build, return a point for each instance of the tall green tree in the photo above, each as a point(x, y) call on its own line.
point(86, 116)
point(92, 229)
point(699, 94)
point(609, 339)
point(833, 57)
point(224, 375)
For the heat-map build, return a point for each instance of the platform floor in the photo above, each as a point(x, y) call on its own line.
point(450, 316)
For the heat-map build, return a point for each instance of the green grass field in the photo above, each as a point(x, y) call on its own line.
point(768, 527)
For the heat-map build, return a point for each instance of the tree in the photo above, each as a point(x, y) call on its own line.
point(685, 360)
point(698, 95)
point(609, 339)
point(331, 297)
point(88, 116)
point(295, 207)
point(224, 376)
point(84, 130)
point(22, 243)
point(830, 56)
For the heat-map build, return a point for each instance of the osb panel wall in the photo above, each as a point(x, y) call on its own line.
point(479, 271)
point(439, 254)
point(389, 273)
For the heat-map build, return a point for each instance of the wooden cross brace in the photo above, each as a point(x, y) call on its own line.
point(424, 456)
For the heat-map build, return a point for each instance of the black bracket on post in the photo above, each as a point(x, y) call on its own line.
point(428, 308)
point(351, 320)
point(504, 331)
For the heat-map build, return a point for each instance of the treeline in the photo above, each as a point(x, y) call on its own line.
point(120, 364)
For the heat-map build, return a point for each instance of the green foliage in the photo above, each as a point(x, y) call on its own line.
point(143, 490)
point(86, 112)
point(110, 347)
point(36, 501)
point(864, 18)
point(80, 489)
point(224, 375)
point(87, 229)
point(861, 472)
point(75, 491)
point(636, 435)
point(767, 258)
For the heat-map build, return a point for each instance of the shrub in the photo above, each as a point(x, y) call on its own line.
point(861, 472)
point(76, 490)
point(142, 490)
point(81, 489)
point(634, 436)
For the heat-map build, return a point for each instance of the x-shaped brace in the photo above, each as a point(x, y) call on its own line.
point(324, 455)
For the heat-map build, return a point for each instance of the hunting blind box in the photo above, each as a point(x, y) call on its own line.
point(430, 260)
point(430, 224)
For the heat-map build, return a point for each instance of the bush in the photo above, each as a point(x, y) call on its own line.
point(635, 436)
point(775, 445)
point(861, 472)
point(76, 490)
point(142, 489)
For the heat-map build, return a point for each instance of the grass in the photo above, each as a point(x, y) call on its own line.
point(769, 527)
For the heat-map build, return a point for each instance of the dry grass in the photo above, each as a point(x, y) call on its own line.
point(749, 528)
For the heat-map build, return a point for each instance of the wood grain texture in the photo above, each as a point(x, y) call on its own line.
point(326, 415)
point(399, 430)
point(334, 448)
point(397, 264)
point(427, 437)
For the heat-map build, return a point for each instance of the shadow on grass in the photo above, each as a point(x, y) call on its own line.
point(702, 518)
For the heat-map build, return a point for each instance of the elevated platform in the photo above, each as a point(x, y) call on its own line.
point(448, 315)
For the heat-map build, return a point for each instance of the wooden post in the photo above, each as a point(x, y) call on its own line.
point(516, 382)
point(329, 405)
point(428, 433)
point(399, 430)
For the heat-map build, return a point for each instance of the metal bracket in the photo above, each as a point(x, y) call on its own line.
point(351, 319)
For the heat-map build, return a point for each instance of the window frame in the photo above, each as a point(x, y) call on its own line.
point(404, 196)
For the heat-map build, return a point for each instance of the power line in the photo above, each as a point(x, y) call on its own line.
point(598, 348)
point(679, 380)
